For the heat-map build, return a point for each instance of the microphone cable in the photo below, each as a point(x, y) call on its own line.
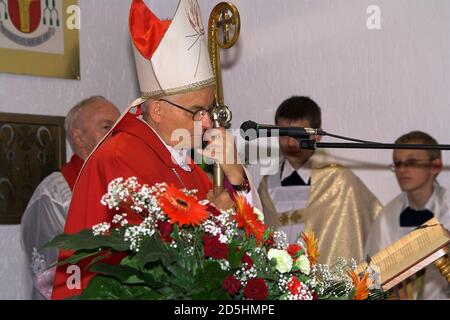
point(348, 139)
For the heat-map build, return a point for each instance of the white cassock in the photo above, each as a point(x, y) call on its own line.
point(287, 198)
point(44, 218)
point(386, 230)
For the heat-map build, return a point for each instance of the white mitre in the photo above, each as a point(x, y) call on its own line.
point(171, 56)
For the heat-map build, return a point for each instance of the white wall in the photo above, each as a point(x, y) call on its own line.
point(370, 84)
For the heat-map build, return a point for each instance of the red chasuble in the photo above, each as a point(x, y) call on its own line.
point(133, 150)
point(71, 170)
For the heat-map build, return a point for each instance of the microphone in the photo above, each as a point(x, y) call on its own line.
point(251, 130)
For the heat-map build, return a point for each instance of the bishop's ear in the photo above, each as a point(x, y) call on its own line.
point(154, 110)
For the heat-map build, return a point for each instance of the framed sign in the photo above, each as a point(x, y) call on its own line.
point(40, 38)
point(31, 147)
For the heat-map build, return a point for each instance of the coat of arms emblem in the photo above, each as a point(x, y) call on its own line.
point(25, 14)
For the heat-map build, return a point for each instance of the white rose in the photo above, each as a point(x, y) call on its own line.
point(303, 264)
point(282, 258)
point(259, 214)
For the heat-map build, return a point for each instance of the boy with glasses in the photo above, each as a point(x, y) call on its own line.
point(422, 199)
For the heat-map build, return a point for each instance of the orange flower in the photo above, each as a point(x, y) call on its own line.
point(181, 208)
point(247, 219)
point(312, 248)
point(361, 285)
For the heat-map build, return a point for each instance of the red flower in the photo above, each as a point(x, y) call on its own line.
point(232, 285)
point(165, 230)
point(214, 211)
point(181, 208)
point(293, 249)
point(248, 220)
point(270, 241)
point(293, 285)
point(214, 249)
point(256, 289)
point(246, 259)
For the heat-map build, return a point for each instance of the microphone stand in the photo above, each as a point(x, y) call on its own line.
point(313, 145)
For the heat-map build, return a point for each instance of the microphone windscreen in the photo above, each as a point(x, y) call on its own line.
point(247, 125)
point(249, 130)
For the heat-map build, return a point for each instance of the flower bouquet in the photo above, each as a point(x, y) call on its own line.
point(188, 249)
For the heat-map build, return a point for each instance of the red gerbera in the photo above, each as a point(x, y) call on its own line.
point(181, 208)
point(248, 220)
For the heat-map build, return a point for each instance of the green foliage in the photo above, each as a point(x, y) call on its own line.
point(85, 240)
point(183, 268)
point(153, 250)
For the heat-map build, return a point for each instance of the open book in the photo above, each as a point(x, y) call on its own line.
point(410, 254)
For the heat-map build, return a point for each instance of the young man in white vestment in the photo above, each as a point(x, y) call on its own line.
point(422, 198)
point(311, 191)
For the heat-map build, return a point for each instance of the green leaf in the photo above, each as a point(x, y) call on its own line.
point(337, 291)
point(97, 259)
point(218, 294)
point(211, 276)
point(152, 250)
point(78, 256)
point(130, 261)
point(181, 278)
point(235, 256)
point(188, 262)
point(377, 294)
point(107, 288)
point(156, 277)
point(267, 234)
point(175, 232)
point(85, 240)
point(124, 274)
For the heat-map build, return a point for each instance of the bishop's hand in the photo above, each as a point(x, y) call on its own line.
point(222, 150)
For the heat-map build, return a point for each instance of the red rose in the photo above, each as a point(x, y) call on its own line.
point(256, 289)
point(294, 285)
point(165, 230)
point(246, 259)
point(293, 249)
point(232, 285)
point(315, 296)
point(270, 241)
point(214, 249)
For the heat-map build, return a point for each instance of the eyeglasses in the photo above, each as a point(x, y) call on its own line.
point(196, 115)
point(410, 163)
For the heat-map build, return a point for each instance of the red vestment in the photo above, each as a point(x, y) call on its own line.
point(71, 170)
point(133, 150)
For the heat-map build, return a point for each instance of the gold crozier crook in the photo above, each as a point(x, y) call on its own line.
point(224, 27)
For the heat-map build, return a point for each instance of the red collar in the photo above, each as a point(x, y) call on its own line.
point(137, 128)
point(71, 170)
